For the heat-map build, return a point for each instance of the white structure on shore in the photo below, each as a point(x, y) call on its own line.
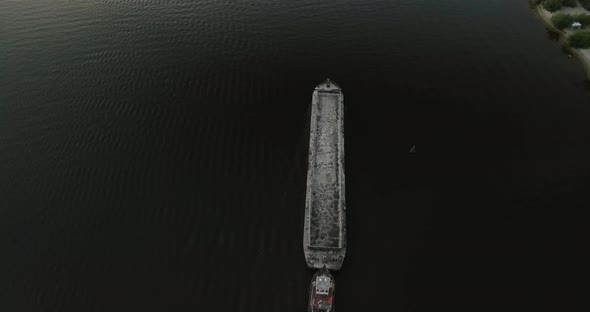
point(324, 233)
point(576, 25)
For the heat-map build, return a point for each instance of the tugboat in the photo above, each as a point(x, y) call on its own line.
point(321, 296)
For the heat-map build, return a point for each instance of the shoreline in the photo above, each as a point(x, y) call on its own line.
point(582, 54)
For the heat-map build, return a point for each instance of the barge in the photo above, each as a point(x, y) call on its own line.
point(324, 237)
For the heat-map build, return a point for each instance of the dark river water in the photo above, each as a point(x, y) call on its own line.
point(153, 155)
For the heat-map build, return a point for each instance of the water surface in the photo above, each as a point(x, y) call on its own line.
point(153, 155)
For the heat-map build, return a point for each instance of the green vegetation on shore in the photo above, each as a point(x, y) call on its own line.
point(554, 5)
point(585, 4)
point(562, 21)
point(579, 39)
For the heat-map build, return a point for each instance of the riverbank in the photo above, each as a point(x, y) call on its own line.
point(545, 16)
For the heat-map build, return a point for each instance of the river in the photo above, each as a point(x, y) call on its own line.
point(153, 155)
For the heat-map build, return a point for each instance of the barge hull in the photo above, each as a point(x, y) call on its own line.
point(325, 220)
